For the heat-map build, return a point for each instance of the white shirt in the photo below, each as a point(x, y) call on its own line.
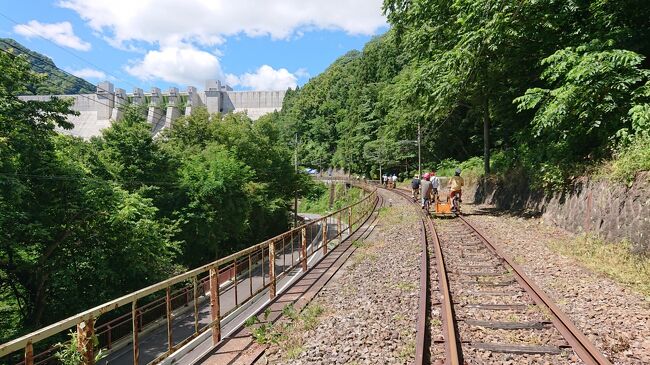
point(394, 178)
point(435, 182)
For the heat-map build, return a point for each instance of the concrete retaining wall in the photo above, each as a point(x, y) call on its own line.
point(613, 211)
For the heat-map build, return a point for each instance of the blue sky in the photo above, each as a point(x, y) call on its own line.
point(250, 44)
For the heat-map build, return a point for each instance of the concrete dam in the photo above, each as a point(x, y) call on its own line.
point(96, 111)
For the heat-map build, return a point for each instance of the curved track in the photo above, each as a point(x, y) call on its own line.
point(496, 302)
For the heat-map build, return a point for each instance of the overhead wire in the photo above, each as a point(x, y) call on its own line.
point(67, 51)
point(465, 81)
point(85, 96)
point(18, 176)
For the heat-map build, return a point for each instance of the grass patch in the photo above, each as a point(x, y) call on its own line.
point(310, 316)
point(293, 352)
point(319, 204)
point(396, 214)
point(289, 334)
point(630, 160)
point(615, 261)
point(517, 337)
point(533, 308)
point(360, 244)
point(361, 256)
point(472, 169)
point(408, 351)
point(384, 211)
point(518, 259)
point(406, 286)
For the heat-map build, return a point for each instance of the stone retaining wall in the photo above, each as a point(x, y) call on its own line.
point(612, 211)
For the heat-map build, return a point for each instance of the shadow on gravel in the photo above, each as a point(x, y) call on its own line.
point(498, 212)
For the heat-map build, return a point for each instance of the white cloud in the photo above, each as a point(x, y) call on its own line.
point(183, 65)
point(207, 22)
point(89, 73)
point(59, 33)
point(302, 73)
point(186, 32)
point(265, 78)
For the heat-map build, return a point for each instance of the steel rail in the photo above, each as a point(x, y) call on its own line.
point(583, 347)
point(423, 301)
point(451, 339)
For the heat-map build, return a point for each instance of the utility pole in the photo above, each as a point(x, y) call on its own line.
point(349, 161)
point(381, 181)
point(295, 196)
point(419, 151)
point(486, 136)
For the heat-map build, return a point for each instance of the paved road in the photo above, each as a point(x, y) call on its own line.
point(153, 343)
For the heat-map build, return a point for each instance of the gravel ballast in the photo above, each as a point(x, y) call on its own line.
point(370, 305)
point(613, 317)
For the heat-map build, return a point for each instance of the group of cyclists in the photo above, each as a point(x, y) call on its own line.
point(428, 189)
point(389, 181)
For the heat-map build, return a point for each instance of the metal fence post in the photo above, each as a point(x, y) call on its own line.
point(338, 227)
point(29, 353)
point(234, 279)
point(136, 329)
point(110, 337)
point(168, 314)
point(303, 240)
point(85, 345)
point(250, 274)
point(349, 220)
point(324, 236)
point(272, 270)
point(196, 304)
point(215, 308)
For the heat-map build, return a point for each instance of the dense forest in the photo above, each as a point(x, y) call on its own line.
point(59, 82)
point(563, 87)
point(83, 222)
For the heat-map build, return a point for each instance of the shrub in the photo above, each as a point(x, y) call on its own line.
point(631, 160)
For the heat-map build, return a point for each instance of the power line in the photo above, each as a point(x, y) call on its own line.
point(41, 58)
point(17, 176)
point(66, 50)
point(157, 114)
point(70, 53)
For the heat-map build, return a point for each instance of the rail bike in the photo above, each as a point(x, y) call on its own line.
point(446, 208)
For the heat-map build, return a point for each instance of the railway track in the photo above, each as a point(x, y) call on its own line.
point(477, 305)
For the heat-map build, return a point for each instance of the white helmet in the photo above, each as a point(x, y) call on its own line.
point(457, 170)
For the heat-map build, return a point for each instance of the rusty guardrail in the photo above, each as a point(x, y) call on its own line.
point(262, 265)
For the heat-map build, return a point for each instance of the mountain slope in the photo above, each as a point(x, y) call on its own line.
point(58, 81)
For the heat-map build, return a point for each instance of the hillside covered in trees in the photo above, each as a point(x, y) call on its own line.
point(563, 86)
point(58, 81)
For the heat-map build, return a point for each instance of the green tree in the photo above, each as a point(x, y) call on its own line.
point(70, 238)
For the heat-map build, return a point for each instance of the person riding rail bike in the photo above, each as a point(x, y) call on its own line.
point(415, 188)
point(425, 193)
point(435, 186)
point(456, 191)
